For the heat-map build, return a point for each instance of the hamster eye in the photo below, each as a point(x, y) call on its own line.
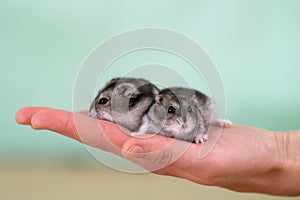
point(103, 101)
point(171, 110)
point(190, 109)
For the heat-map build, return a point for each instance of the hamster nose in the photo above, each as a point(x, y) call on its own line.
point(184, 125)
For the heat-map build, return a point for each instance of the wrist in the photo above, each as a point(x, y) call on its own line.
point(287, 161)
point(287, 150)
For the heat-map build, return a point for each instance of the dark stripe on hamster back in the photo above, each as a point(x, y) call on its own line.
point(145, 91)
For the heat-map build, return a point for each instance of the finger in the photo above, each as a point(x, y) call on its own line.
point(96, 133)
point(160, 154)
point(24, 115)
point(150, 143)
point(59, 121)
point(101, 134)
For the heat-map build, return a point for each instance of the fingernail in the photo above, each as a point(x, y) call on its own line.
point(133, 149)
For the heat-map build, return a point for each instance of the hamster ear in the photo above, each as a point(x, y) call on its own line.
point(114, 80)
point(126, 92)
point(194, 98)
point(112, 83)
point(159, 99)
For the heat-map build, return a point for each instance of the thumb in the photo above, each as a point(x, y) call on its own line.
point(154, 152)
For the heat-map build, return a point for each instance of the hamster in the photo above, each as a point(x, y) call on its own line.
point(181, 113)
point(124, 101)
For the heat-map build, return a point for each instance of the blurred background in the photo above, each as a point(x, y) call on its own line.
point(254, 44)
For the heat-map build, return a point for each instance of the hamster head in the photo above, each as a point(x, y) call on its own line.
point(178, 112)
point(124, 101)
point(100, 108)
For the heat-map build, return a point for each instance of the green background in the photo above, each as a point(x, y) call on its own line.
point(254, 44)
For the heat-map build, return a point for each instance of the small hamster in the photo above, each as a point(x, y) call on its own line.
point(180, 113)
point(124, 101)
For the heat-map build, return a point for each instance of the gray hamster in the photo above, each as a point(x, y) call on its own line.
point(180, 113)
point(124, 101)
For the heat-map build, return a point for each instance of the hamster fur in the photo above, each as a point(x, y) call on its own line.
point(181, 113)
point(124, 101)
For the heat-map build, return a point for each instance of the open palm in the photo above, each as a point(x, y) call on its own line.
point(243, 159)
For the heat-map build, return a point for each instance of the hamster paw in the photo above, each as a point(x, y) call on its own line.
point(225, 123)
point(136, 133)
point(201, 138)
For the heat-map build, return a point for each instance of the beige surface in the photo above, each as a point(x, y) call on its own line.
point(44, 181)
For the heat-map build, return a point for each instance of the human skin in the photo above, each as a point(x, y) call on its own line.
point(244, 159)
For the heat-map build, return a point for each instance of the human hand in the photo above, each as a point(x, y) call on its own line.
point(245, 159)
